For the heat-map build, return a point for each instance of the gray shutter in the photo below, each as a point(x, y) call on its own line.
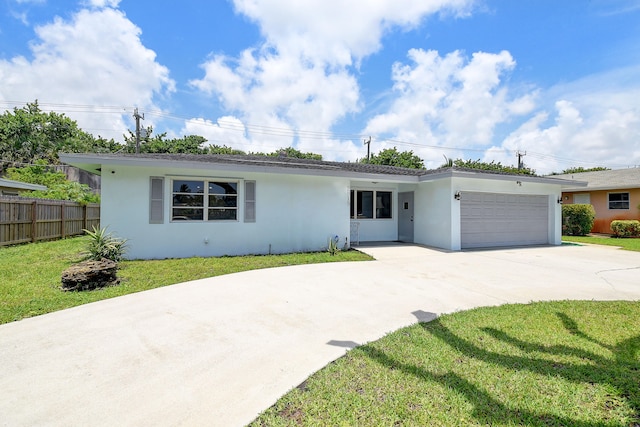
point(156, 205)
point(249, 201)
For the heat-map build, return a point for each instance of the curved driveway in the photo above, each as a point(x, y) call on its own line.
point(218, 351)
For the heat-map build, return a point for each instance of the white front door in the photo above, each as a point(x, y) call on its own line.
point(405, 217)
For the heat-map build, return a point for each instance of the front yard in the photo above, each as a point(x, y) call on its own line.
point(568, 363)
point(30, 274)
point(629, 244)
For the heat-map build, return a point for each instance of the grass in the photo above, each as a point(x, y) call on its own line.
point(629, 244)
point(543, 364)
point(30, 274)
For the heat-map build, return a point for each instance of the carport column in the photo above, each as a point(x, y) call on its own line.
point(456, 229)
point(555, 220)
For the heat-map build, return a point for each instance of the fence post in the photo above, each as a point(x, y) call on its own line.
point(34, 221)
point(85, 226)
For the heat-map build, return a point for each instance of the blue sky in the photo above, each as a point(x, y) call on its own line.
point(473, 79)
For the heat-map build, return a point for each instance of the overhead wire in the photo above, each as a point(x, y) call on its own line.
point(273, 130)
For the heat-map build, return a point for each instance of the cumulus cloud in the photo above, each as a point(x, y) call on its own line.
point(302, 75)
point(94, 59)
point(449, 101)
point(594, 121)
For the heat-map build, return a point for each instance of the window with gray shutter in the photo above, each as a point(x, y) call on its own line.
point(156, 205)
point(249, 201)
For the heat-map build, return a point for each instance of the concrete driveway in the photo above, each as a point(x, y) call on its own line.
point(219, 351)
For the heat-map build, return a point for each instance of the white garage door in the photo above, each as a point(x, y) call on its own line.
point(490, 219)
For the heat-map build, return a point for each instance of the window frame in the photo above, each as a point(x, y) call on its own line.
point(206, 207)
point(622, 201)
point(375, 209)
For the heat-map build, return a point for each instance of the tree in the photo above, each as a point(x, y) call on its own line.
point(28, 134)
point(491, 166)
point(290, 152)
point(580, 169)
point(223, 149)
point(392, 157)
point(191, 144)
point(58, 187)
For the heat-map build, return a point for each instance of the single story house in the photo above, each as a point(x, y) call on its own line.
point(10, 187)
point(179, 205)
point(614, 194)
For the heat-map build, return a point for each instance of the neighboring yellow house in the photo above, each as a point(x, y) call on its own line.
point(614, 194)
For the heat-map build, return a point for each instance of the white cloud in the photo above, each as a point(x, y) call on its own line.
point(102, 3)
point(95, 59)
point(449, 101)
point(594, 122)
point(302, 76)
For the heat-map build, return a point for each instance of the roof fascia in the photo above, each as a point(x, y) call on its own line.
point(453, 173)
point(95, 163)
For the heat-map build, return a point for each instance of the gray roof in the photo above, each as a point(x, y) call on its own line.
point(605, 180)
point(8, 183)
point(94, 162)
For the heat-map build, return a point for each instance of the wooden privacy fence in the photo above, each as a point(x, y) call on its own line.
point(30, 220)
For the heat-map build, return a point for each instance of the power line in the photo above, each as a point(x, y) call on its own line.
point(285, 132)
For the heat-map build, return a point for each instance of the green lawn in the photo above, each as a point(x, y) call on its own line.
point(627, 244)
point(30, 274)
point(543, 364)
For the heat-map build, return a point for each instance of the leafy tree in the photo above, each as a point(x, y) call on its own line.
point(223, 149)
point(39, 173)
point(58, 187)
point(580, 169)
point(191, 144)
point(491, 166)
point(28, 134)
point(290, 152)
point(393, 157)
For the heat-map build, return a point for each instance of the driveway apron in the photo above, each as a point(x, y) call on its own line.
point(219, 351)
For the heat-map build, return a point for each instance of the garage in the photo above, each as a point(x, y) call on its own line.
point(494, 219)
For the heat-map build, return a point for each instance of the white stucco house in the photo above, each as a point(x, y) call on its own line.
point(178, 205)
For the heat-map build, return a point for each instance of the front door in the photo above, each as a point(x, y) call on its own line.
point(405, 217)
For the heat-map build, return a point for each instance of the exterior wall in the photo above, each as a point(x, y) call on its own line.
point(293, 214)
point(438, 221)
point(604, 215)
point(433, 216)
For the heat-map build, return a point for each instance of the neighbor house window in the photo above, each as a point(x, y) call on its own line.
point(194, 200)
point(618, 200)
point(369, 204)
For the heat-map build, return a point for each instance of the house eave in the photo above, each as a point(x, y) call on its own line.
point(468, 173)
point(96, 163)
point(8, 183)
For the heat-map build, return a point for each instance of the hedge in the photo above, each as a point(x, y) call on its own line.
point(577, 219)
point(626, 228)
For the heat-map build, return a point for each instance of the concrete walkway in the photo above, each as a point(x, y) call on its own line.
point(218, 351)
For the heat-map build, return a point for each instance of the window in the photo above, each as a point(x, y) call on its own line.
point(618, 200)
point(368, 204)
point(204, 200)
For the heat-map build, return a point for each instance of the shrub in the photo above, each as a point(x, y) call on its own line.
point(577, 219)
point(626, 228)
point(103, 245)
point(333, 246)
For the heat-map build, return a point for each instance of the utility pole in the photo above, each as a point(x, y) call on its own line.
point(368, 144)
point(520, 156)
point(137, 117)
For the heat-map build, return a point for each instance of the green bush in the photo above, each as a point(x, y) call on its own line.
point(626, 228)
point(577, 219)
point(103, 245)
